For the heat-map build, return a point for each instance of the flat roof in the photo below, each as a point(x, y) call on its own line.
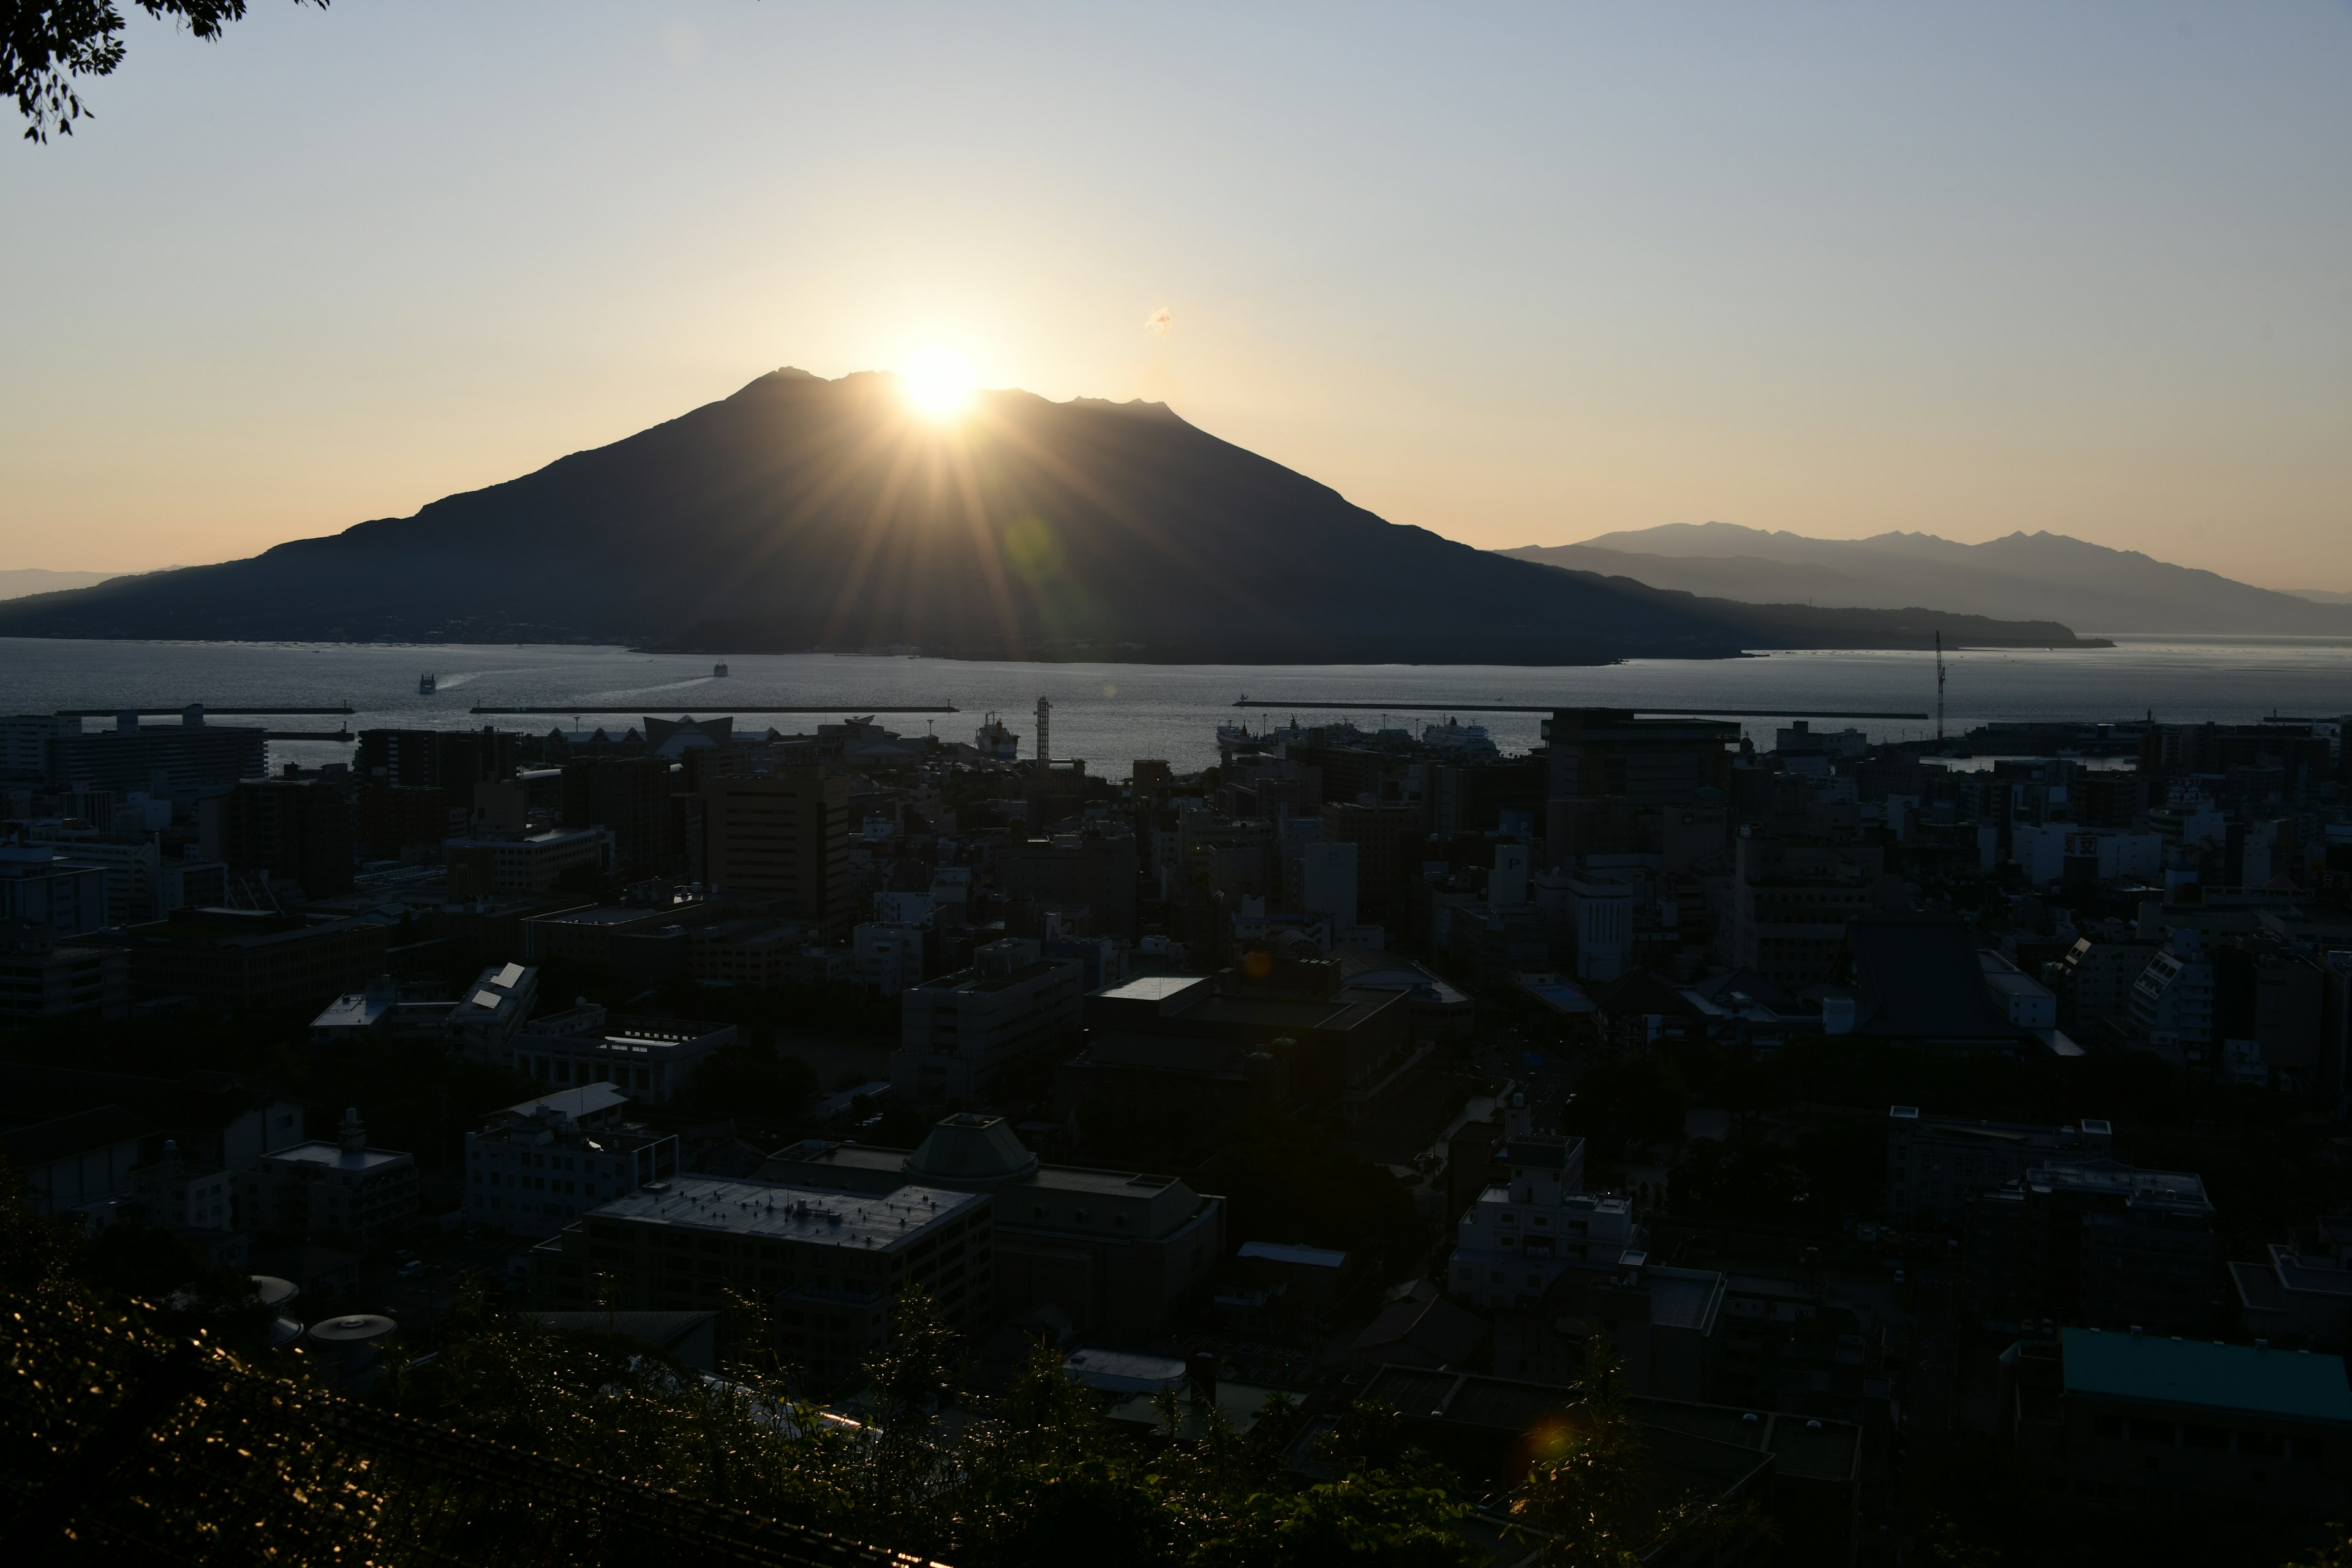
point(587, 1100)
point(1290, 1252)
point(777, 1211)
point(2293, 1385)
point(1153, 987)
point(332, 1154)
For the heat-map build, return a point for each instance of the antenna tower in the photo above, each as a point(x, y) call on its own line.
point(1939, 686)
point(1044, 730)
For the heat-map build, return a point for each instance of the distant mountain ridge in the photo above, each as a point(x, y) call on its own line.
point(19, 582)
point(2035, 576)
point(803, 513)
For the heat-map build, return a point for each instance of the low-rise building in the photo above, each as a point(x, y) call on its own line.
point(1119, 1251)
point(44, 979)
point(825, 1265)
point(2301, 1293)
point(344, 1193)
point(493, 1010)
point(2095, 1241)
point(537, 1166)
point(526, 863)
point(649, 1060)
point(2144, 1419)
point(1935, 1165)
point(748, 952)
point(961, 1031)
point(248, 960)
point(1522, 1235)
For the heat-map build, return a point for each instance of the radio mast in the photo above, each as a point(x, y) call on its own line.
point(1940, 685)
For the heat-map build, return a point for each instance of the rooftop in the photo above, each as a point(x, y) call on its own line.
point(1291, 1252)
point(776, 1211)
point(334, 1156)
point(2296, 1385)
point(578, 1104)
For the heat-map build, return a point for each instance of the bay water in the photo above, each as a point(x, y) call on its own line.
point(1110, 714)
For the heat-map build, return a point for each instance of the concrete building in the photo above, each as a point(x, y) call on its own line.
point(298, 830)
point(825, 1264)
point(1599, 752)
point(533, 863)
point(451, 760)
point(1600, 927)
point(343, 1193)
point(537, 1166)
point(2301, 1294)
point(1382, 834)
point(1123, 1253)
point(2172, 1000)
point(53, 895)
point(1095, 872)
point(649, 1060)
point(749, 951)
point(1790, 905)
point(784, 836)
point(45, 980)
point(1935, 1164)
point(171, 1190)
point(961, 1031)
point(630, 797)
point(889, 958)
point(2094, 981)
point(2143, 1420)
point(2093, 1241)
point(1665, 1324)
point(247, 960)
point(187, 755)
point(492, 1011)
point(1288, 1030)
point(1522, 1235)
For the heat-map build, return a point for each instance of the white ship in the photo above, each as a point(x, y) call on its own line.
point(996, 741)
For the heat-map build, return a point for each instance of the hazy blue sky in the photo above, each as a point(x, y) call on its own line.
point(1516, 274)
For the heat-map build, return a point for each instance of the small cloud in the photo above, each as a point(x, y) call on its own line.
point(1158, 322)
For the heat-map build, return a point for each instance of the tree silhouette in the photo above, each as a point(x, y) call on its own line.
point(45, 49)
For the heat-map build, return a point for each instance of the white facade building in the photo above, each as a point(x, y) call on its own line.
point(961, 1030)
point(1520, 1236)
point(541, 1164)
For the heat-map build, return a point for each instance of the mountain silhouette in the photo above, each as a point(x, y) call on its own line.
point(803, 513)
point(2038, 576)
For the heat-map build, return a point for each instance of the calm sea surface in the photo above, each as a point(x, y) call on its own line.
point(1111, 713)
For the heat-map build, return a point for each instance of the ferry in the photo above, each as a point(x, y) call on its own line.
point(717, 673)
point(996, 741)
point(427, 685)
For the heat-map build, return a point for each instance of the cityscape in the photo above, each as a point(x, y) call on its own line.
point(1882, 1113)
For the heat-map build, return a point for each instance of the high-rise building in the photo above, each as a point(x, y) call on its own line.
point(629, 795)
point(187, 755)
point(452, 760)
point(784, 836)
point(1600, 752)
point(300, 829)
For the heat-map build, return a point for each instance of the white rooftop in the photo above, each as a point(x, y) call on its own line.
point(593, 1100)
point(781, 1212)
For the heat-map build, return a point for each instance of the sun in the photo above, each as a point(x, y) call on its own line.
point(937, 380)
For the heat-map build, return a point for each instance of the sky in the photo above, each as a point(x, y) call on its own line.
point(1516, 274)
